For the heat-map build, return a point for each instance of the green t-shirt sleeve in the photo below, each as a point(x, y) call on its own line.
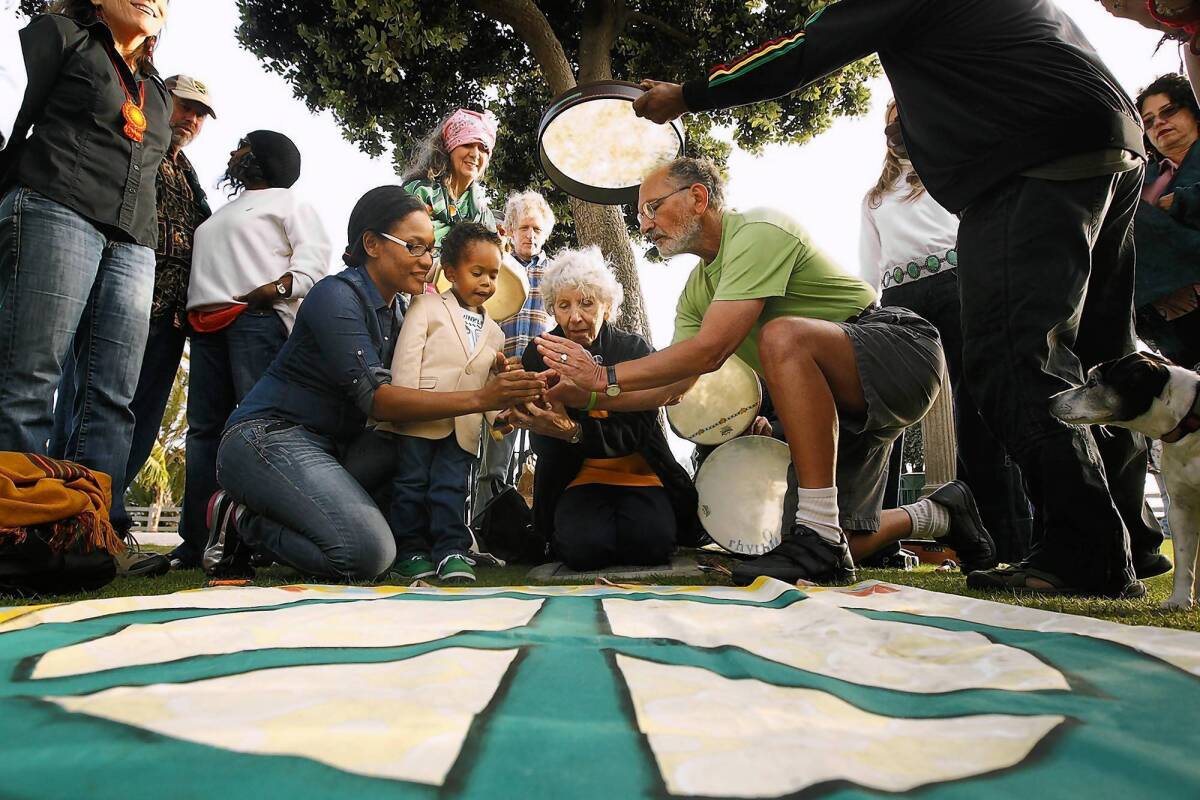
point(689, 311)
point(757, 262)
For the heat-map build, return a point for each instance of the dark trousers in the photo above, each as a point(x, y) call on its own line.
point(995, 480)
point(1046, 276)
point(224, 368)
point(429, 497)
point(164, 349)
point(598, 526)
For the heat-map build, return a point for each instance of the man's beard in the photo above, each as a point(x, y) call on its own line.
point(181, 138)
point(683, 243)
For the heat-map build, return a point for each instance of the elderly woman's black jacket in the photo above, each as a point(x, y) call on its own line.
point(620, 434)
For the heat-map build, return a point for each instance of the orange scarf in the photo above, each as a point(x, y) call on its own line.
point(70, 501)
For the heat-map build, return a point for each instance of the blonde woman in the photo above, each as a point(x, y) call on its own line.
point(907, 248)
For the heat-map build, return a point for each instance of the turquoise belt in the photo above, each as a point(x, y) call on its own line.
point(920, 269)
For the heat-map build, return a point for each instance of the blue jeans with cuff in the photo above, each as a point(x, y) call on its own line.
point(429, 497)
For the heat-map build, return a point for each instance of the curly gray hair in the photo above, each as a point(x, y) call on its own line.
point(521, 203)
point(585, 271)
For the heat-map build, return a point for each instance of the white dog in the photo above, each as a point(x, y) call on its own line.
point(1148, 394)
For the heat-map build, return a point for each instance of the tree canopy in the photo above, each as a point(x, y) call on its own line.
point(389, 69)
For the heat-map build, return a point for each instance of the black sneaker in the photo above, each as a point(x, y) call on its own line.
point(225, 555)
point(968, 537)
point(802, 555)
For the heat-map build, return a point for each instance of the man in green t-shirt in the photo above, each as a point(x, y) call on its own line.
point(846, 377)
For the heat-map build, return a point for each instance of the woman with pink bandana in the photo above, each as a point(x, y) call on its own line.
point(446, 168)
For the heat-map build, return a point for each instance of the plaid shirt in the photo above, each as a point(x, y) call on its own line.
point(532, 320)
point(182, 206)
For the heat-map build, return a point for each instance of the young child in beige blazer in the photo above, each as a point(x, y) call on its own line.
point(447, 344)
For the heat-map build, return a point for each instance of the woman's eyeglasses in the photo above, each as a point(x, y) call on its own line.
point(1164, 113)
point(414, 250)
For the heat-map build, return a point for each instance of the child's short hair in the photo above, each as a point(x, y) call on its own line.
point(455, 243)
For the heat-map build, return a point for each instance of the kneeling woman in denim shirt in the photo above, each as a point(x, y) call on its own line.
point(297, 465)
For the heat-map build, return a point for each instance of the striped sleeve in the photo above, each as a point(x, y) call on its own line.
point(836, 35)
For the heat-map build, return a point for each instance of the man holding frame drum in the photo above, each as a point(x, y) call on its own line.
point(842, 371)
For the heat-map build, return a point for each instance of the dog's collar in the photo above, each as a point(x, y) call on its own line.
point(1189, 424)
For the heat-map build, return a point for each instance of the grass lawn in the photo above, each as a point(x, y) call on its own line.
point(1130, 612)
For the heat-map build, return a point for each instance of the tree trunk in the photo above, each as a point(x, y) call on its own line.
point(599, 225)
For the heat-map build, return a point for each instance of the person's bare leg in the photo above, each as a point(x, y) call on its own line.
point(811, 374)
point(894, 524)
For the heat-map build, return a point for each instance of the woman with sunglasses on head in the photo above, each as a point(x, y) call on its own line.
point(305, 481)
point(1166, 229)
point(253, 262)
point(78, 224)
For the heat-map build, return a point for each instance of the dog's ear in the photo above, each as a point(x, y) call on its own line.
point(1137, 381)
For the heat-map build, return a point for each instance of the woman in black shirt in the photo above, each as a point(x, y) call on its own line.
point(78, 225)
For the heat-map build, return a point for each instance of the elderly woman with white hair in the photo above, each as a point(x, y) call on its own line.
point(607, 490)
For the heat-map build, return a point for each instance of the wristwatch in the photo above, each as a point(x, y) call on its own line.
point(614, 388)
point(577, 436)
point(281, 288)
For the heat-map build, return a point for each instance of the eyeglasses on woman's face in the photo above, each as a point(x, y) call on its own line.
point(414, 250)
point(1165, 113)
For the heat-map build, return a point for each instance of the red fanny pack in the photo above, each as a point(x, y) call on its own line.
point(215, 319)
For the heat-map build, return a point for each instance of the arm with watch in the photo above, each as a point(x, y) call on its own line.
point(659, 376)
point(308, 259)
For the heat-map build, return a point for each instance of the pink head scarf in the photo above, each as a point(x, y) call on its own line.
point(466, 126)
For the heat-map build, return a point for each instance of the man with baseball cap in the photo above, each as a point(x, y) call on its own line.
point(182, 206)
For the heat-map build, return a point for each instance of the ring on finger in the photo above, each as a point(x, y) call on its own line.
point(563, 357)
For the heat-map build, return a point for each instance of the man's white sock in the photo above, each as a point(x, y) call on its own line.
point(818, 509)
point(929, 520)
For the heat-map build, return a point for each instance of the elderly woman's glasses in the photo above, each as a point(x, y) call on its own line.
point(414, 250)
point(649, 208)
point(1164, 113)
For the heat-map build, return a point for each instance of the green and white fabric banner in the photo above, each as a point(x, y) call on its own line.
point(589, 692)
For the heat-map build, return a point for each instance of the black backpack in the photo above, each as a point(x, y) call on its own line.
point(31, 569)
point(504, 528)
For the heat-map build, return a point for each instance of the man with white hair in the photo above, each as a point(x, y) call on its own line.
point(846, 376)
point(12, 70)
point(528, 222)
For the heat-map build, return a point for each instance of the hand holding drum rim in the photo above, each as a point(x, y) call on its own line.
point(661, 103)
point(577, 367)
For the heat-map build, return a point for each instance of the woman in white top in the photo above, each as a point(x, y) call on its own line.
point(907, 247)
point(253, 262)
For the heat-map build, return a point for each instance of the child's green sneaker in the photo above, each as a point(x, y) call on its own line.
point(456, 568)
point(412, 568)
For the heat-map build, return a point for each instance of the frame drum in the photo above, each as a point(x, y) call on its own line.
point(742, 488)
point(592, 146)
point(720, 406)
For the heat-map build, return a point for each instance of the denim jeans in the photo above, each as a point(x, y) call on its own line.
point(1046, 273)
point(224, 367)
point(995, 480)
point(309, 499)
point(429, 497)
point(164, 350)
point(62, 282)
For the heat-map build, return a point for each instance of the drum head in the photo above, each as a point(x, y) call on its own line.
point(512, 288)
point(721, 405)
point(742, 487)
point(592, 145)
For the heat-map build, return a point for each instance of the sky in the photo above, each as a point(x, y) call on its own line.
point(821, 183)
